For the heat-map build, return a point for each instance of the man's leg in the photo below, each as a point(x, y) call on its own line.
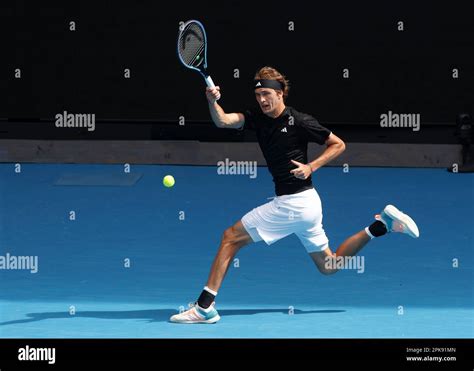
point(389, 220)
point(349, 247)
point(233, 239)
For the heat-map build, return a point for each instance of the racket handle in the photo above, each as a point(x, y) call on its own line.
point(209, 81)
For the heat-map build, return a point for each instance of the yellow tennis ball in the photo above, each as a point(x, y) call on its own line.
point(168, 181)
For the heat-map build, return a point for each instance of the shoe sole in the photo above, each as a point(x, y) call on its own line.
point(410, 224)
point(212, 320)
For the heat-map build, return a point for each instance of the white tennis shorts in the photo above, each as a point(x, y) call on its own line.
point(299, 213)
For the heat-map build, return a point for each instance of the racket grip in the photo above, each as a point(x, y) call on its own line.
point(209, 81)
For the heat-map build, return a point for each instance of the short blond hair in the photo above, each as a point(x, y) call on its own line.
point(270, 73)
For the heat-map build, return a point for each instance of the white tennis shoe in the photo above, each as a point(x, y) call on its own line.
point(396, 221)
point(196, 314)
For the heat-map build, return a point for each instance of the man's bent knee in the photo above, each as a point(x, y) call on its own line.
point(228, 235)
point(323, 261)
point(230, 239)
point(326, 271)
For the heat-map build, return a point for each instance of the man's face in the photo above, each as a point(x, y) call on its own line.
point(270, 100)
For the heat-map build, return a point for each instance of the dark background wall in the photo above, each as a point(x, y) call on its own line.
point(83, 71)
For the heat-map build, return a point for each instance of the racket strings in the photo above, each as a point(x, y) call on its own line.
point(191, 52)
point(191, 45)
point(194, 59)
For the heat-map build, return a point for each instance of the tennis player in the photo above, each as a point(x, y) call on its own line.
point(283, 135)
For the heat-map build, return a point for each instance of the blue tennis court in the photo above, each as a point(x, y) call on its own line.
point(135, 251)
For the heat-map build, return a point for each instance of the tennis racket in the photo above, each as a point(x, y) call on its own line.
point(192, 49)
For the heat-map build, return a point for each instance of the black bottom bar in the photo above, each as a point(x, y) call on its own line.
point(417, 353)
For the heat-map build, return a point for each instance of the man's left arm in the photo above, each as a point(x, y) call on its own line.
point(335, 146)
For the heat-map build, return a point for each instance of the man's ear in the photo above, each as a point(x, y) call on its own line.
point(280, 93)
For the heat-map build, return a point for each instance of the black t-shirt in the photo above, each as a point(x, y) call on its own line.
point(283, 139)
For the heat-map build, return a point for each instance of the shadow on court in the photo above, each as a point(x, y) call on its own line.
point(158, 315)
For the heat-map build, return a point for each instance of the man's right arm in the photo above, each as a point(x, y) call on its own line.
point(220, 118)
